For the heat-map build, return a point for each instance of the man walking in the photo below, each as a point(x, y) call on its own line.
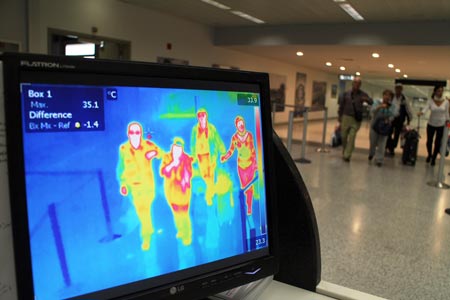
point(136, 178)
point(350, 116)
point(404, 113)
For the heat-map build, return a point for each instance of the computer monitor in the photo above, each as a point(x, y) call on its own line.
point(136, 180)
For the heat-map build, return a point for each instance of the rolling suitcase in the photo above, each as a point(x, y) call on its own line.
point(410, 147)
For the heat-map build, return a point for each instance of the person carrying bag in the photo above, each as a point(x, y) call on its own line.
point(383, 112)
point(382, 124)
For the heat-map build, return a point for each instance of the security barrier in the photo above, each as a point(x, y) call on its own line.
point(323, 148)
point(440, 182)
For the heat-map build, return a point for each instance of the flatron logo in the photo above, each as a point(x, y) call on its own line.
point(39, 64)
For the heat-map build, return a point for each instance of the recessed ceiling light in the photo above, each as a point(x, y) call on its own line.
point(358, 74)
point(351, 11)
point(397, 70)
point(375, 55)
point(405, 76)
point(390, 66)
point(342, 68)
point(247, 16)
point(299, 53)
point(328, 64)
point(216, 4)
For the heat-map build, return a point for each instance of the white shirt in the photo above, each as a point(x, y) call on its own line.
point(397, 101)
point(438, 114)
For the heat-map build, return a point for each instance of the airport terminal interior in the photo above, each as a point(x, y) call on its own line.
point(382, 222)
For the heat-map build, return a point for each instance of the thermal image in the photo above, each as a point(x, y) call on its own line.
point(176, 168)
point(135, 173)
point(137, 182)
point(247, 166)
point(206, 146)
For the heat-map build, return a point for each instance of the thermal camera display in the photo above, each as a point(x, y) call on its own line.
point(126, 184)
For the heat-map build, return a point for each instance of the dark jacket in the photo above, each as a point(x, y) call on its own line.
point(347, 99)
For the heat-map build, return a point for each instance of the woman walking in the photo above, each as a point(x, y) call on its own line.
point(383, 112)
point(439, 115)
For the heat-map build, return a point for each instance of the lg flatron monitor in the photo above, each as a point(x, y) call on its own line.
point(136, 180)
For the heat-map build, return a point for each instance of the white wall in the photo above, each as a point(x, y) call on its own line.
point(149, 31)
point(374, 91)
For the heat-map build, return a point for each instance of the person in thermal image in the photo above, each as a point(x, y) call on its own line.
point(225, 198)
point(242, 140)
point(176, 169)
point(206, 145)
point(136, 178)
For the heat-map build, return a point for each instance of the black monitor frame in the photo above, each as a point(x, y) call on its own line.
point(193, 287)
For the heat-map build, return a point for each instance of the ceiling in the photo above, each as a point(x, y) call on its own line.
point(420, 62)
point(300, 11)
point(424, 62)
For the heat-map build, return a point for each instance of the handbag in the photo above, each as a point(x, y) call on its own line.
point(382, 126)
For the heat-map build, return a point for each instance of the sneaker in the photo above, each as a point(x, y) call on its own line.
point(370, 157)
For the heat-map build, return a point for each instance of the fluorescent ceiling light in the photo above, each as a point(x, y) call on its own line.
point(346, 77)
point(397, 70)
point(358, 74)
point(339, 1)
point(328, 64)
point(405, 76)
point(87, 49)
point(390, 66)
point(375, 55)
point(299, 53)
point(216, 4)
point(247, 16)
point(342, 68)
point(351, 11)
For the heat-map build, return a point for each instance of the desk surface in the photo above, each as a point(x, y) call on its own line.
point(278, 290)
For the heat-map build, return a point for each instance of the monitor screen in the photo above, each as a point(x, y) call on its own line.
point(138, 183)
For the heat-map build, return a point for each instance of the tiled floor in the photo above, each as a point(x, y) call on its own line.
point(383, 230)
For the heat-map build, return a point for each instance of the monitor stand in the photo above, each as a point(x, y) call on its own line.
point(299, 245)
point(250, 291)
point(298, 236)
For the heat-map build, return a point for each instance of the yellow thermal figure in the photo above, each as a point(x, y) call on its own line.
point(176, 169)
point(242, 141)
point(206, 145)
point(225, 199)
point(136, 178)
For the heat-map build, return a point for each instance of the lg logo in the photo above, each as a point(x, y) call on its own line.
point(176, 289)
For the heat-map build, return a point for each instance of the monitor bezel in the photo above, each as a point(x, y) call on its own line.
point(14, 66)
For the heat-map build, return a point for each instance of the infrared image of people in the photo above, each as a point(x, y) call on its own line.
point(206, 145)
point(135, 173)
point(243, 142)
point(141, 185)
point(176, 168)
